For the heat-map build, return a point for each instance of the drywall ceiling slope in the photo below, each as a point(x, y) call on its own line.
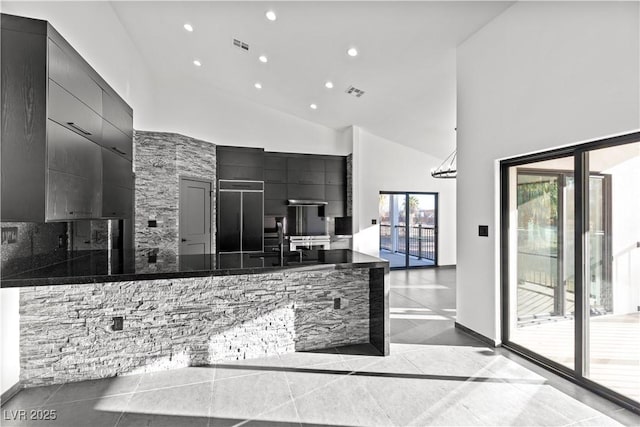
point(406, 64)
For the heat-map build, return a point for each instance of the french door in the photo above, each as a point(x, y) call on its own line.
point(571, 263)
point(408, 229)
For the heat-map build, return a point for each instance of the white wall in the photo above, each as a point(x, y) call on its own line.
point(95, 31)
point(383, 165)
point(211, 114)
point(541, 75)
point(9, 339)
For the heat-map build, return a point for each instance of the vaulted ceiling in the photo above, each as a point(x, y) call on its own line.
point(405, 65)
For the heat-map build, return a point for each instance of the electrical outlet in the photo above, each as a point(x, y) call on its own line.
point(336, 303)
point(118, 323)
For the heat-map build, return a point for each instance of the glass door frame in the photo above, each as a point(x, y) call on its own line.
point(407, 264)
point(580, 154)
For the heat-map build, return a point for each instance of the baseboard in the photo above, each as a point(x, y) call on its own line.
point(488, 341)
point(447, 266)
point(12, 391)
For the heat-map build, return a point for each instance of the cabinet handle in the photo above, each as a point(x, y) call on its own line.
point(76, 127)
point(80, 212)
point(118, 151)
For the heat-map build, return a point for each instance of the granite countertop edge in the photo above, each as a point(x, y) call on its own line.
point(132, 277)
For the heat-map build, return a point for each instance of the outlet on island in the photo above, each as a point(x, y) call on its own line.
point(118, 323)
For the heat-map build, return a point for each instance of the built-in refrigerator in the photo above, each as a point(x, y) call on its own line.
point(241, 216)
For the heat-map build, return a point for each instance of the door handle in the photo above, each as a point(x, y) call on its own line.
point(183, 240)
point(78, 128)
point(117, 150)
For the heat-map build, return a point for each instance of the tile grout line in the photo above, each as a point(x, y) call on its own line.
point(128, 402)
point(295, 407)
point(52, 394)
point(213, 380)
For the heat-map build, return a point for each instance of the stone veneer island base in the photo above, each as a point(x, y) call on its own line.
point(66, 331)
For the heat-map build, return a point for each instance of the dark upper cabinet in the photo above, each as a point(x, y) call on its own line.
point(335, 208)
point(306, 162)
point(240, 163)
point(305, 192)
point(334, 192)
point(56, 113)
point(117, 191)
point(299, 176)
point(275, 161)
point(74, 171)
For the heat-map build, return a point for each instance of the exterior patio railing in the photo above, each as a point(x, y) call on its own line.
point(422, 240)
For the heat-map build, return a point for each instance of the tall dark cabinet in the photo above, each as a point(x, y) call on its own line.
point(66, 135)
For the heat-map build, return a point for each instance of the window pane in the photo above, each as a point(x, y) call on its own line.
point(613, 282)
point(541, 255)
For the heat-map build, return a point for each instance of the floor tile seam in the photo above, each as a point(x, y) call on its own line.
point(271, 409)
point(338, 378)
point(52, 394)
point(126, 407)
point(293, 401)
point(434, 310)
point(88, 399)
point(213, 381)
point(375, 402)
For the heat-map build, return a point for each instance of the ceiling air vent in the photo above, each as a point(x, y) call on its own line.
point(240, 44)
point(354, 91)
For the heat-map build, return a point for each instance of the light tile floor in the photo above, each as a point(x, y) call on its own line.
point(435, 375)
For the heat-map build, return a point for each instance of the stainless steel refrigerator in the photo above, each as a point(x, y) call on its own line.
point(241, 216)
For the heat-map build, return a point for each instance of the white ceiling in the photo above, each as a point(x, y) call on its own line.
point(406, 63)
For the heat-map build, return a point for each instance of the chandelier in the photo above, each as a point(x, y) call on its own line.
point(447, 168)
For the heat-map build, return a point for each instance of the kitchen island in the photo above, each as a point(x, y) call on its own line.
point(98, 314)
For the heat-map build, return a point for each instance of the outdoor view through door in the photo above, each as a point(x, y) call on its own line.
point(408, 229)
point(571, 230)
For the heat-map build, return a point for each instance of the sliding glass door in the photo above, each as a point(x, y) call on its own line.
point(571, 263)
point(408, 229)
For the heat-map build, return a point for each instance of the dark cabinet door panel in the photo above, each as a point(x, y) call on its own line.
point(241, 156)
point(24, 111)
point(229, 222)
point(116, 170)
point(275, 175)
point(275, 161)
point(70, 153)
point(296, 176)
point(117, 114)
point(71, 197)
point(305, 192)
point(334, 192)
point(116, 201)
point(335, 208)
point(68, 73)
point(116, 141)
point(240, 172)
point(335, 178)
point(252, 221)
point(275, 207)
point(67, 110)
point(306, 163)
point(275, 191)
point(336, 164)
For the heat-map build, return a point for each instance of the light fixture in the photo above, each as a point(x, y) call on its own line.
point(328, 85)
point(447, 169)
point(188, 27)
point(352, 51)
point(197, 63)
point(313, 106)
point(271, 15)
point(263, 58)
point(258, 85)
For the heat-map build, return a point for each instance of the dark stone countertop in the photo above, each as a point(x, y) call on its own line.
point(98, 266)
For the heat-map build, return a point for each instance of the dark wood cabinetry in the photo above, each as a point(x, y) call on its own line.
point(57, 114)
point(240, 163)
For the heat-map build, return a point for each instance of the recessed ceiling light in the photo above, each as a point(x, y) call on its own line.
point(352, 51)
point(328, 85)
point(263, 58)
point(313, 106)
point(188, 27)
point(197, 63)
point(258, 85)
point(271, 15)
